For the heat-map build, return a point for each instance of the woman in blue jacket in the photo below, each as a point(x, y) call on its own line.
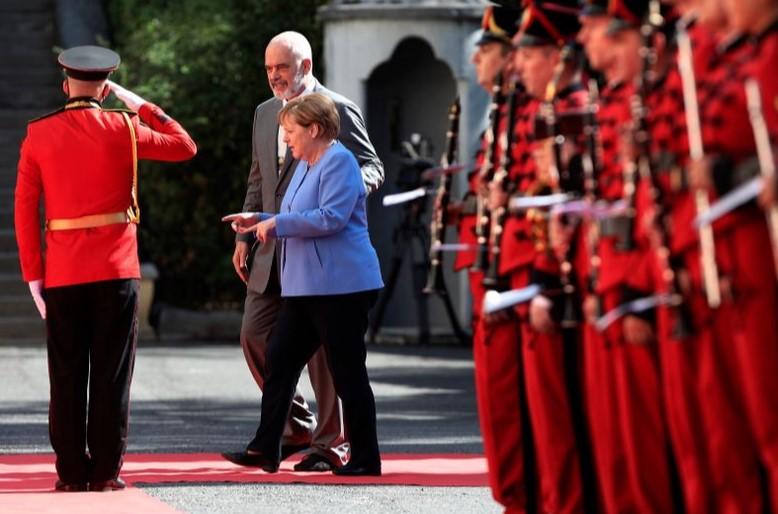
point(330, 277)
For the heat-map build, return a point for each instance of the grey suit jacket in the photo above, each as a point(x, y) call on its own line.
point(266, 187)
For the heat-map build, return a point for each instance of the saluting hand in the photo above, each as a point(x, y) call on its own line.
point(130, 99)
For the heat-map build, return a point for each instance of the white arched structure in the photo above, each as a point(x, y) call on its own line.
point(359, 37)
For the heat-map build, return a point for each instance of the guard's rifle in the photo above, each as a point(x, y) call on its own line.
point(566, 71)
point(485, 174)
point(652, 24)
point(435, 281)
point(501, 179)
point(766, 157)
point(710, 272)
point(591, 162)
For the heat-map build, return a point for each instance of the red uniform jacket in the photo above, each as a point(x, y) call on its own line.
point(613, 114)
point(518, 246)
point(468, 222)
point(569, 100)
point(762, 68)
point(79, 160)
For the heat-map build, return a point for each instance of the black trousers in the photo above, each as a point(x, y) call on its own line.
point(304, 323)
point(91, 338)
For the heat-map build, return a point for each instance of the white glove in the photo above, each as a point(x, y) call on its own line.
point(130, 99)
point(36, 290)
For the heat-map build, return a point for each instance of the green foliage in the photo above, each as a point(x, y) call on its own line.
point(201, 61)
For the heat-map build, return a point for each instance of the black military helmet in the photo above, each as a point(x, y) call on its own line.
point(549, 22)
point(593, 7)
point(91, 63)
point(630, 14)
point(500, 23)
point(626, 14)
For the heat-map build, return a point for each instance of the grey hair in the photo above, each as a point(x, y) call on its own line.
point(296, 43)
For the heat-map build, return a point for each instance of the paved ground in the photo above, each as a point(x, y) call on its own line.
point(202, 399)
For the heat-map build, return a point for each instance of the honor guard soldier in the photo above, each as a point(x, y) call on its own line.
point(549, 364)
point(659, 146)
point(623, 385)
point(82, 162)
point(495, 346)
point(638, 383)
point(746, 327)
point(711, 448)
point(600, 376)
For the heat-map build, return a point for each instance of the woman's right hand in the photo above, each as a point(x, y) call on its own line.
point(242, 222)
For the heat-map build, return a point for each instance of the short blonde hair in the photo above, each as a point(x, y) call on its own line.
point(315, 108)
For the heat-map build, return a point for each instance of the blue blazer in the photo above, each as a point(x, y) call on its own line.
point(322, 223)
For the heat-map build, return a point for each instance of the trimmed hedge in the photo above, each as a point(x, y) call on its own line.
point(202, 61)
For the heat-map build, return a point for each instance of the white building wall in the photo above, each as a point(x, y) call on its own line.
point(353, 48)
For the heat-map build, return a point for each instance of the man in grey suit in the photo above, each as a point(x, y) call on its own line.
point(288, 63)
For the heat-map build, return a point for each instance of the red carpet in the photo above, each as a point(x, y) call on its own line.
point(35, 472)
point(130, 501)
point(27, 481)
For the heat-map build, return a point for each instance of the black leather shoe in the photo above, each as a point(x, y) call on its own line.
point(314, 462)
point(254, 460)
point(354, 470)
point(116, 484)
point(69, 488)
point(287, 450)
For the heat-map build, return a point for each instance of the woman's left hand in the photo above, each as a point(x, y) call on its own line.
point(266, 229)
point(242, 222)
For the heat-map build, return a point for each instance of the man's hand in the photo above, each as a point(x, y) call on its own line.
point(497, 317)
point(591, 309)
point(700, 174)
point(130, 99)
point(242, 222)
point(540, 315)
point(239, 260)
point(497, 197)
point(768, 198)
point(637, 330)
point(36, 290)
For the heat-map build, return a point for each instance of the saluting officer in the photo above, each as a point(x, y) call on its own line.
point(81, 160)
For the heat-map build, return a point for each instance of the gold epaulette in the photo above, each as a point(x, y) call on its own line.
point(52, 113)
